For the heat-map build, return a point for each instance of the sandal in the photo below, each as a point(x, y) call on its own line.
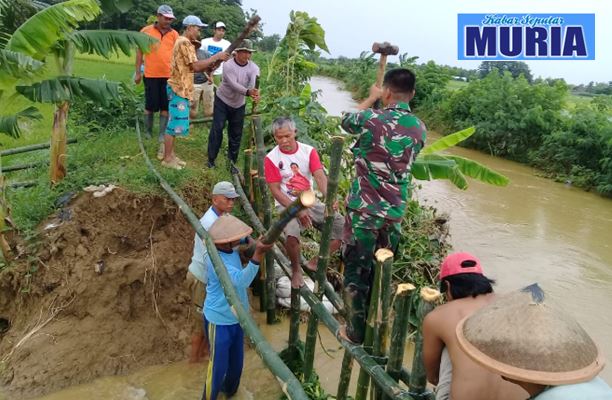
point(171, 165)
point(160, 152)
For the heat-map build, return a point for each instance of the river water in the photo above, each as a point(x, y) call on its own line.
point(533, 230)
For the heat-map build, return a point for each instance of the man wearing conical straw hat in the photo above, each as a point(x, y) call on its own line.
point(225, 336)
point(530, 341)
point(455, 375)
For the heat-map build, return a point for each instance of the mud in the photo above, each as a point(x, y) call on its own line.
point(104, 294)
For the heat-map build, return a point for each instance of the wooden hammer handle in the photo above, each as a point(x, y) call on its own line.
point(381, 70)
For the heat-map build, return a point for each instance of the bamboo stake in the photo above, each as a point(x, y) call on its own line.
point(364, 378)
point(263, 190)
point(209, 119)
point(400, 330)
point(337, 143)
point(294, 323)
point(382, 336)
point(246, 171)
point(345, 376)
point(418, 377)
point(290, 385)
point(32, 147)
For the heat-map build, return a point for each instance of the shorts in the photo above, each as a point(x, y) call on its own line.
point(445, 376)
point(205, 93)
point(178, 116)
point(197, 290)
point(156, 98)
point(317, 214)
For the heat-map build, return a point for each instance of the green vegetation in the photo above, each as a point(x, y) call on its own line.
point(535, 121)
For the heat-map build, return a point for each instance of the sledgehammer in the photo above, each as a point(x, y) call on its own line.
point(384, 49)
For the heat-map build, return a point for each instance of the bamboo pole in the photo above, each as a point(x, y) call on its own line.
point(290, 384)
point(418, 376)
point(364, 378)
point(210, 119)
point(246, 171)
point(26, 184)
point(400, 330)
point(331, 295)
point(345, 376)
point(20, 167)
point(337, 143)
point(304, 200)
point(294, 323)
point(32, 147)
point(263, 190)
point(382, 336)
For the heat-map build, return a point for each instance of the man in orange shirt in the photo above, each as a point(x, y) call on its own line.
point(157, 72)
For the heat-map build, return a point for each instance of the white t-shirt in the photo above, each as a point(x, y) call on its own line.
point(198, 265)
point(292, 170)
point(213, 47)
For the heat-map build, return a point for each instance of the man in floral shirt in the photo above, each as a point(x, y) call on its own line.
point(388, 141)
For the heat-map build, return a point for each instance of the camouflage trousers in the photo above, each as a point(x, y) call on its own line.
point(363, 235)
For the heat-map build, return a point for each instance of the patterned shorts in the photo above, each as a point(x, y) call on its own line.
point(178, 114)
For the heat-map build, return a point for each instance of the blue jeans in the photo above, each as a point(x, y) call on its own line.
point(235, 119)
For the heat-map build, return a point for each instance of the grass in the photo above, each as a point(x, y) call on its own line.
point(109, 156)
point(456, 85)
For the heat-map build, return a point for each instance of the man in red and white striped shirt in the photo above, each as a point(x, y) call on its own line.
point(289, 169)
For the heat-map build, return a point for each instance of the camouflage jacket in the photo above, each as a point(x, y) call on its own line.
point(388, 142)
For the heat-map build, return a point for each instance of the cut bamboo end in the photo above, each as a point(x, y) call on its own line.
point(383, 255)
point(308, 198)
point(254, 172)
point(337, 137)
point(248, 151)
point(404, 289)
point(430, 295)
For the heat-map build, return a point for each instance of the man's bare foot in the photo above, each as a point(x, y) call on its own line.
point(312, 264)
point(297, 280)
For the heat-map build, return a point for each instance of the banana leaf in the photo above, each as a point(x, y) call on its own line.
point(66, 88)
point(448, 141)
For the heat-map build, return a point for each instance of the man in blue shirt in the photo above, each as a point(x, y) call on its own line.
point(223, 197)
point(225, 335)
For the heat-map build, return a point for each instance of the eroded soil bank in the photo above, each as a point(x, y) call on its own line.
point(104, 294)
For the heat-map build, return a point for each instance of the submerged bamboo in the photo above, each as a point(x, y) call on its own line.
point(400, 330)
point(345, 376)
point(263, 191)
point(418, 377)
point(332, 188)
point(290, 385)
point(364, 378)
point(294, 323)
point(385, 256)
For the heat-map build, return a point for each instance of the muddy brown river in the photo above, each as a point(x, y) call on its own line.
point(534, 230)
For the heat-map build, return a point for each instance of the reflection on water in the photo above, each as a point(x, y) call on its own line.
point(532, 230)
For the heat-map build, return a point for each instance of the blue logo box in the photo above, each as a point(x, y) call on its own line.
point(526, 36)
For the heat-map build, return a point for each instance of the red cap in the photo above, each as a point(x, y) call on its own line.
point(460, 263)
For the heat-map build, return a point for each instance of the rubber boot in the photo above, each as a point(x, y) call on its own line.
point(163, 124)
point(148, 126)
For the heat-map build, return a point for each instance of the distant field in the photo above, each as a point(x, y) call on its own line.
point(119, 69)
point(455, 85)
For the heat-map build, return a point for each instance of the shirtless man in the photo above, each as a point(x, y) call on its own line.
point(456, 376)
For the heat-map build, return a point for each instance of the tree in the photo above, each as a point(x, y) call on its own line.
point(516, 68)
point(269, 43)
point(51, 34)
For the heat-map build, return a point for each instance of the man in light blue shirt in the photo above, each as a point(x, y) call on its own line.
point(223, 198)
point(225, 334)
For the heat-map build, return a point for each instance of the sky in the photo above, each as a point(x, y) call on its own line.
point(428, 29)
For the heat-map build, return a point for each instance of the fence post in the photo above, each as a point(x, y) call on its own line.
point(418, 376)
point(337, 143)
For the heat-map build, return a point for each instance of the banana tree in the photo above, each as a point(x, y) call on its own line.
point(432, 164)
point(51, 33)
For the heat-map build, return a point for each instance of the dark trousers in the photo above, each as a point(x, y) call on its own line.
point(226, 347)
point(235, 119)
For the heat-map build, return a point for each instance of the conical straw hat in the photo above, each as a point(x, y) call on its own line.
point(526, 337)
point(228, 228)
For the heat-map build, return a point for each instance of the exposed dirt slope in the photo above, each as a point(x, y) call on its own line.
point(108, 295)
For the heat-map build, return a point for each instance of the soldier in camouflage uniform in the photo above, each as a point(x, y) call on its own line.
point(388, 140)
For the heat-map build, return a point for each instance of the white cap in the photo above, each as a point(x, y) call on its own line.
point(193, 20)
point(220, 25)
